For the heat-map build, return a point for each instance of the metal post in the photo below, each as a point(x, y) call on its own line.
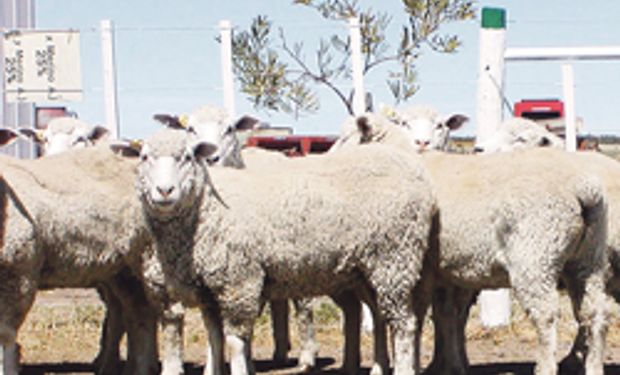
point(109, 78)
point(568, 85)
point(359, 97)
point(490, 72)
point(228, 82)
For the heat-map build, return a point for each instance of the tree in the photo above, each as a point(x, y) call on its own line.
point(274, 75)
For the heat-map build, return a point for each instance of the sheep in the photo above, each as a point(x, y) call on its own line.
point(63, 134)
point(505, 193)
point(328, 224)
point(517, 133)
point(211, 124)
point(529, 134)
point(88, 240)
point(424, 129)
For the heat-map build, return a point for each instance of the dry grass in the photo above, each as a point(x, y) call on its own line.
point(65, 329)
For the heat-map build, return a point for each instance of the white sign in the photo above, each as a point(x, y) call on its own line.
point(42, 66)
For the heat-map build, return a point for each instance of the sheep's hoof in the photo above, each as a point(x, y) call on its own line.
point(376, 370)
point(172, 368)
point(572, 364)
point(437, 368)
point(306, 360)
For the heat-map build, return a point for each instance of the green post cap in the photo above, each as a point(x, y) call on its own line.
point(493, 18)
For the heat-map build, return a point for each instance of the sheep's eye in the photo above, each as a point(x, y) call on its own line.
point(144, 157)
point(187, 158)
point(191, 129)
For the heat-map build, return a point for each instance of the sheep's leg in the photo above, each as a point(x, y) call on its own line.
point(108, 359)
point(279, 322)
point(305, 326)
point(140, 320)
point(215, 364)
point(172, 335)
point(537, 294)
point(403, 334)
point(381, 365)
point(589, 307)
point(450, 311)
point(352, 310)
point(9, 358)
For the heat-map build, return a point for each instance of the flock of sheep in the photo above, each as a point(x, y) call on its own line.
point(186, 218)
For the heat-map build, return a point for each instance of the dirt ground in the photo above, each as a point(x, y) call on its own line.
point(61, 336)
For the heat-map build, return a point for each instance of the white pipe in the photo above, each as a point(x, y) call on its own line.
point(568, 85)
point(109, 78)
point(357, 72)
point(563, 53)
point(228, 81)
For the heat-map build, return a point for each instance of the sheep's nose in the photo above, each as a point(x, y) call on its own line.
point(165, 191)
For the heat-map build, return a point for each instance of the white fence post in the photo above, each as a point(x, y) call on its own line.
point(228, 82)
point(568, 85)
point(109, 78)
point(359, 96)
point(490, 72)
point(494, 304)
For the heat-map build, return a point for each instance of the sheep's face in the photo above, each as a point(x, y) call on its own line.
point(63, 134)
point(216, 133)
point(172, 172)
point(429, 133)
point(504, 140)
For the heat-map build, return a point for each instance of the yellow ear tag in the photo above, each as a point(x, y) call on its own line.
point(39, 136)
point(388, 112)
point(136, 144)
point(184, 120)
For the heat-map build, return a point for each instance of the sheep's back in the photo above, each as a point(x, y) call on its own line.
point(486, 199)
point(84, 212)
point(332, 212)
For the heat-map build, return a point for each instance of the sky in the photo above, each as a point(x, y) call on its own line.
point(168, 60)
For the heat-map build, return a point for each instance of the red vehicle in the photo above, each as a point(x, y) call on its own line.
point(540, 109)
point(294, 145)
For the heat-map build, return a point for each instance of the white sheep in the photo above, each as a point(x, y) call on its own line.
point(63, 134)
point(211, 124)
point(514, 135)
point(424, 128)
point(517, 133)
point(68, 221)
point(525, 220)
point(318, 227)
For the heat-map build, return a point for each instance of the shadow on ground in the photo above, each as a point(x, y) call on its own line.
point(325, 366)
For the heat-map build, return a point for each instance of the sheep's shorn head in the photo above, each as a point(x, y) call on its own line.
point(424, 127)
point(517, 133)
point(213, 125)
point(172, 173)
point(65, 133)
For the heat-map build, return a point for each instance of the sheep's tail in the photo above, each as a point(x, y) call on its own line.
point(593, 200)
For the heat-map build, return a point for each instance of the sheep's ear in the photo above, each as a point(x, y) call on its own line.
point(97, 133)
point(33, 134)
point(246, 123)
point(204, 150)
point(456, 121)
point(7, 136)
point(127, 148)
point(364, 128)
point(544, 142)
point(170, 121)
